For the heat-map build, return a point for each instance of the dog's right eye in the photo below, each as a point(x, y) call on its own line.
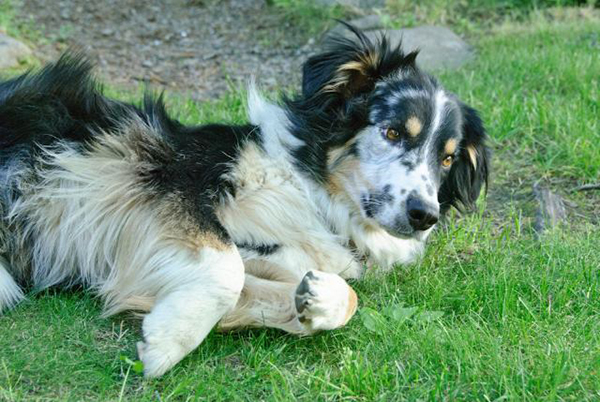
point(392, 134)
point(447, 162)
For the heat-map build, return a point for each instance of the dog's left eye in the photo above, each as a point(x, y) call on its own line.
point(447, 162)
point(392, 134)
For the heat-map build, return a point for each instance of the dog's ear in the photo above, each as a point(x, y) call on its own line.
point(351, 66)
point(470, 172)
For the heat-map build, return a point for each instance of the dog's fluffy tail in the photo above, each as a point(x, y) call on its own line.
point(10, 292)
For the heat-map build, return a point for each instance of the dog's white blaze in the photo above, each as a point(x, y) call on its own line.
point(397, 97)
point(10, 292)
point(441, 101)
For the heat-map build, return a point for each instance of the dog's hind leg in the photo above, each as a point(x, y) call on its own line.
point(10, 292)
point(321, 301)
point(200, 292)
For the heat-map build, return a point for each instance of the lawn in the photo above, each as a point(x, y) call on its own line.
point(491, 313)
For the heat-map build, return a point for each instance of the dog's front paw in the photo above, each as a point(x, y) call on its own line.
point(395, 251)
point(324, 301)
point(158, 358)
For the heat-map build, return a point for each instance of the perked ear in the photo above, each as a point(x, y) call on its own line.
point(470, 172)
point(351, 67)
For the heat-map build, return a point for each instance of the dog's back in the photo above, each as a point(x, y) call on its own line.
point(81, 173)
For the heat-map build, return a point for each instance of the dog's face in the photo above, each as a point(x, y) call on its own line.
point(402, 150)
point(404, 154)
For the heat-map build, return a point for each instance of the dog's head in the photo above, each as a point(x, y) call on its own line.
point(392, 141)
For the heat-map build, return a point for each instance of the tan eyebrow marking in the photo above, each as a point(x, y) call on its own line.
point(450, 146)
point(413, 126)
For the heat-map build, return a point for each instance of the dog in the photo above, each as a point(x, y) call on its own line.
point(230, 226)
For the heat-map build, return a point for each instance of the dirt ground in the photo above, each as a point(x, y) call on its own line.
point(189, 46)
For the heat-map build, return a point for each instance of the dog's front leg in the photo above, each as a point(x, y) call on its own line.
point(198, 289)
point(321, 301)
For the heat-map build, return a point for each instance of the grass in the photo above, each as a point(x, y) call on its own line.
point(24, 30)
point(312, 17)
point(468, 16)
point(491, 313)
point(539, 89)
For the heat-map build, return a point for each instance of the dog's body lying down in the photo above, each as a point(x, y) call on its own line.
point(236, 225)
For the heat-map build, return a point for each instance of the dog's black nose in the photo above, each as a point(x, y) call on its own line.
point(421, 216)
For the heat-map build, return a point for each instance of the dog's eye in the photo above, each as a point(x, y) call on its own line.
point(447, 162)
point(392, 134)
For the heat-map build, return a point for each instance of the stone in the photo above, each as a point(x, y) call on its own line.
point(356, 4)
point(439, 47)
point(12, 52)
point(366, 23)
point(371, 4)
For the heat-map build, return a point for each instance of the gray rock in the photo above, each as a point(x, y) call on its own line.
point(358, 4)
point(12, 52)
point(440, 48)
point(371, 4)
point(366, 23)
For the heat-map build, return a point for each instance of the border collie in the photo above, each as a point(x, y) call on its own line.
point(230, 226)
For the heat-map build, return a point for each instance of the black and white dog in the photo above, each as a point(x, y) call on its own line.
point(254, 225)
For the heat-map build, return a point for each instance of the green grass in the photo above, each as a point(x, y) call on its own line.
point(7, 14)
point(490, 314)
point(27, 32)
point(469, 16)
point(312, 17)
point(539, 87)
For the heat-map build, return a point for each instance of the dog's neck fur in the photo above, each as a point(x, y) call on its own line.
point(279, 144)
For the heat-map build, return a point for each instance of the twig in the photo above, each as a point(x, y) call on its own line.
point(124, 383)
point(550, 211)
point(586, 187)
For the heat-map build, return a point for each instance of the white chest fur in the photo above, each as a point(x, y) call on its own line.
point(274, 205)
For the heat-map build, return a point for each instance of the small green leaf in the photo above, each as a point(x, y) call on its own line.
point(125, 359)
point(372, 320)
point(138, 366)
point(428, 316)
point(399, 313)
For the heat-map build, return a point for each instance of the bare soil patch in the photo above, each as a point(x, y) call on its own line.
point(199, 48)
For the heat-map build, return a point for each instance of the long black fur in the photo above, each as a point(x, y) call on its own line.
point(63, 102)
point(464, 182)
point(326, 119)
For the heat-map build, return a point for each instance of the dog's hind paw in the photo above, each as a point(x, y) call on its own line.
point(324, 301)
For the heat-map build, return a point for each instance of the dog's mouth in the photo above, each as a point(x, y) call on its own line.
point(402, 233)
